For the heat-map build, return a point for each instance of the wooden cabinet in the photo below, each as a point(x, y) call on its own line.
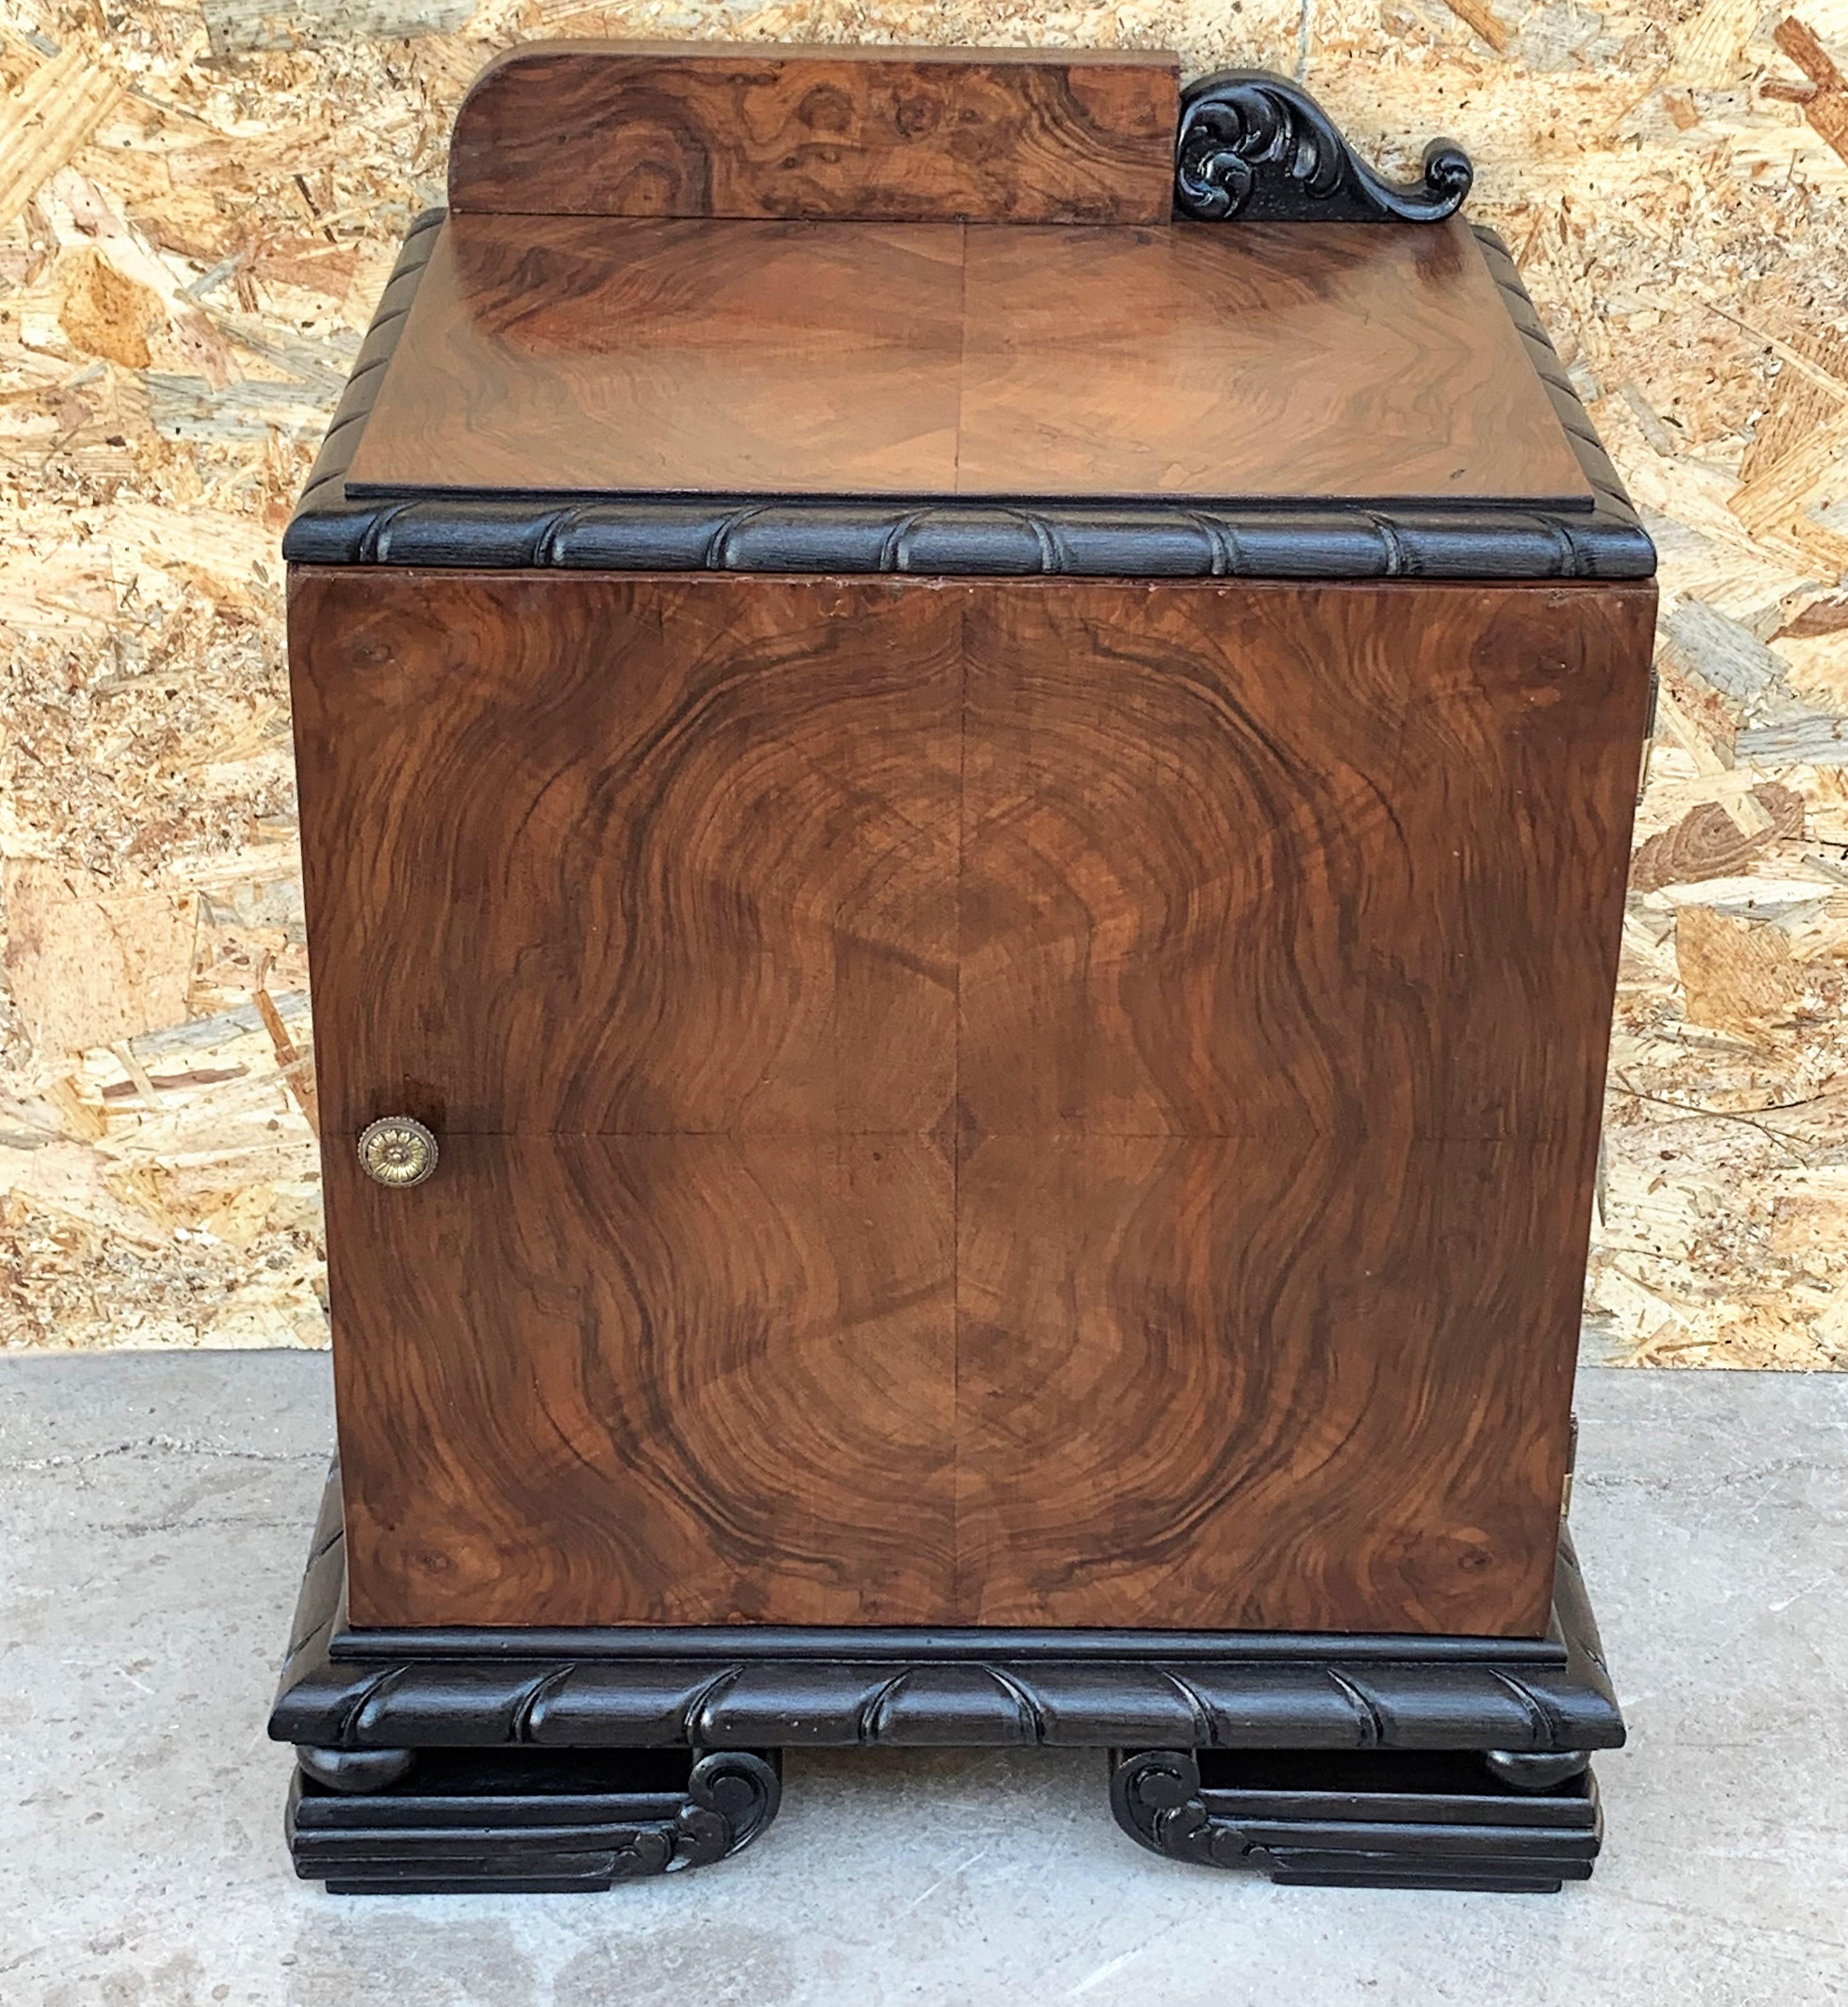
point(985, 840)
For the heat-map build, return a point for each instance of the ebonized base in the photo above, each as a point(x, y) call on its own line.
point(549, 1760)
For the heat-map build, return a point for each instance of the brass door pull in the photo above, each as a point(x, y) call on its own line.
point(396, 1150)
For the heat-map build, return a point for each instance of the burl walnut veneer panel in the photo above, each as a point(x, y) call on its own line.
point(1315, 362)
point(962, 1102)
point(690, 129)
point(660, 1378)
point(642, 856)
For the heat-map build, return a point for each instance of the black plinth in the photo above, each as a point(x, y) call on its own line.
point(500, 1759)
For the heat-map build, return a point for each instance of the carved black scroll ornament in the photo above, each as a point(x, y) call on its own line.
point(1254, 147)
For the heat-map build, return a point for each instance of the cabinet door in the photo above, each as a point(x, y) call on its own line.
point(1038, 1102)
point(640, 893)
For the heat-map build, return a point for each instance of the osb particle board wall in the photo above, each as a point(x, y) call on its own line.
point(197, 209)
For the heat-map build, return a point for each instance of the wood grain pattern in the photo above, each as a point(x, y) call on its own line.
point(705, 879)
point(701, 129)
point(759, 357)
point(648, 1377)
point(1259, 360)
point(1277, 1382)
point(555, 355)
point(980, 1102)
point(1237, 858)
point(1289, 927)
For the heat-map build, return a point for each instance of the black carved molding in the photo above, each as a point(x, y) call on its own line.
point(345, 1689)
point(1376, 1819)
point(1257, 148)
point(937, 537)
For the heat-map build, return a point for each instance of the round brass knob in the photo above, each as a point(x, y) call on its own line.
point(396, 1151)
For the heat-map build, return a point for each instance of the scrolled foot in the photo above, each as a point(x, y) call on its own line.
point(1379, 1818)
point(732, 1796)
point(1155, 1795)
point(515, 1818)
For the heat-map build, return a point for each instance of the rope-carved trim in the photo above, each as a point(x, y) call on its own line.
point(1256, 147)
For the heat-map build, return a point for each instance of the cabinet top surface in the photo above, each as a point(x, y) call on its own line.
point(579, 356)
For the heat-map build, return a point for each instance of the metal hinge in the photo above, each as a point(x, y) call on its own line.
point(1648, 732)
point(1565, 1491)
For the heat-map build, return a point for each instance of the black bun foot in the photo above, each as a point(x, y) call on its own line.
point(355, 1770)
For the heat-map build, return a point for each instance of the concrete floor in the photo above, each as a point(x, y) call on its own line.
point(156, 1508)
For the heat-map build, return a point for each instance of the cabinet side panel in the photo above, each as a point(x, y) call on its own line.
point(1289, 919)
